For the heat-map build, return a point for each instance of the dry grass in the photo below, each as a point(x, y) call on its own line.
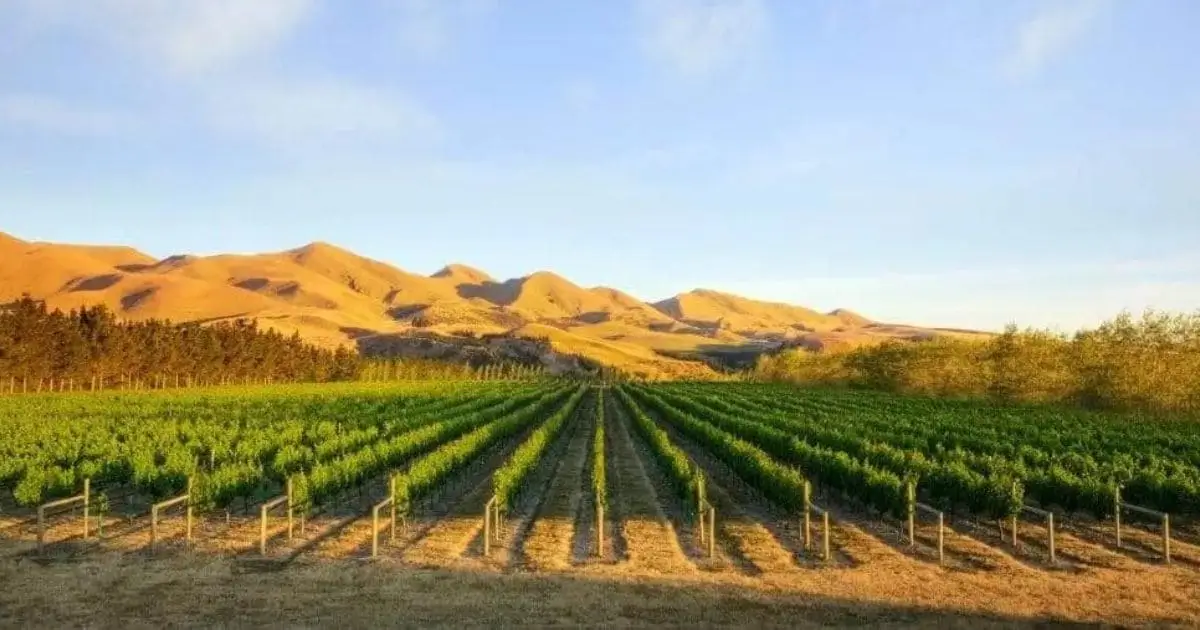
point(548, 546)
point(215, 583)
point(647, 536)
point(113, 590)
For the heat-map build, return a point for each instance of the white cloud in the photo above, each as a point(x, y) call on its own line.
point(700, 38)
point(427, 27)
point(312, 113)
point(184, 36)
point(53, 115)
point(1049, 34)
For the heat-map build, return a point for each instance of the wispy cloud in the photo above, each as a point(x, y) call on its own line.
point(1050, 33)
point(53, 115)
point(181, 36)
point(700, 38)
point(314, 113)
point(210, 50)
point(428, 27)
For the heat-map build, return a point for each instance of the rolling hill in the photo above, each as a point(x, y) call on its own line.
point(332, 296)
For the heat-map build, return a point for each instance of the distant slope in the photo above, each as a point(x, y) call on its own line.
point(712, 309)
point(333, 296)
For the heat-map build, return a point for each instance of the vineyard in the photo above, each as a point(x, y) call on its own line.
point(728, 481)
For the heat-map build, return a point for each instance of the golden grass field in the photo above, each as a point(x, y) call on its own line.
point(547, 569)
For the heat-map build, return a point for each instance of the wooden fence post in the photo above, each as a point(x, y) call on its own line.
point(375, 531)
point(599, 529)
point(41, 537)
point(941, 539)
point(1117, 513)
point(290, 507)
point(392, 494)
point(807, 516)
point(1166, 524)
point(911, 493)
point(487, 527)
point(1050, 526)
point(712, 531)
point(190, 489)
point(826, 541)
point(87, 496)
point(262, 531)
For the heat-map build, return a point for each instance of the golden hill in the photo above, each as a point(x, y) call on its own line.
point(714, 310)
point(333, 296)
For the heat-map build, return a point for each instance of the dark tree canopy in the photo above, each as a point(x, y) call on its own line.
point(91, 344)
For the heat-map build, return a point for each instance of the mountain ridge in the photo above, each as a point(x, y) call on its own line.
point(333, 296)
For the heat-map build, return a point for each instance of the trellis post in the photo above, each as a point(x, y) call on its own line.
point(87, 496)
point(825, 517)
point(1166, 525)
point(807, 515)
point(290, 508)
point(1117, 513)
point(911, 493)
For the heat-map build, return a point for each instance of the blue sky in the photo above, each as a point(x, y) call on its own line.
point(950, 162)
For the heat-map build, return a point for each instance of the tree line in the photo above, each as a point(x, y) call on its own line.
point(89, 348)
point(1149, 364)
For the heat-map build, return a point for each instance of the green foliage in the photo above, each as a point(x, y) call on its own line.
point(982, 458)
point(679, 470)
point(432, 469)
point(235, 443)
point(1149, 364)
point(507, 480)
point(781, 483)
point(599, 480)
point(358, 465)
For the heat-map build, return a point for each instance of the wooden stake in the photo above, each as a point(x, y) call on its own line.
point(290, 508)
point(1050, 526)
point(1166, 524)
point(1117, 514)
point(375, 532)
point(807, 516)
point(941, 539)
point(392, 494)
point(599, 529)
point(487, 527)
point(262, 531)
point(912, 514)
point(189, 511)
point(712, 532)
point(41, 515)
point(87, 496)
point(825, 516)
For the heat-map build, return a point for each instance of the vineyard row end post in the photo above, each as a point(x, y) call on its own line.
point(807, 515)
point(911, 494)
point(599, 529)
